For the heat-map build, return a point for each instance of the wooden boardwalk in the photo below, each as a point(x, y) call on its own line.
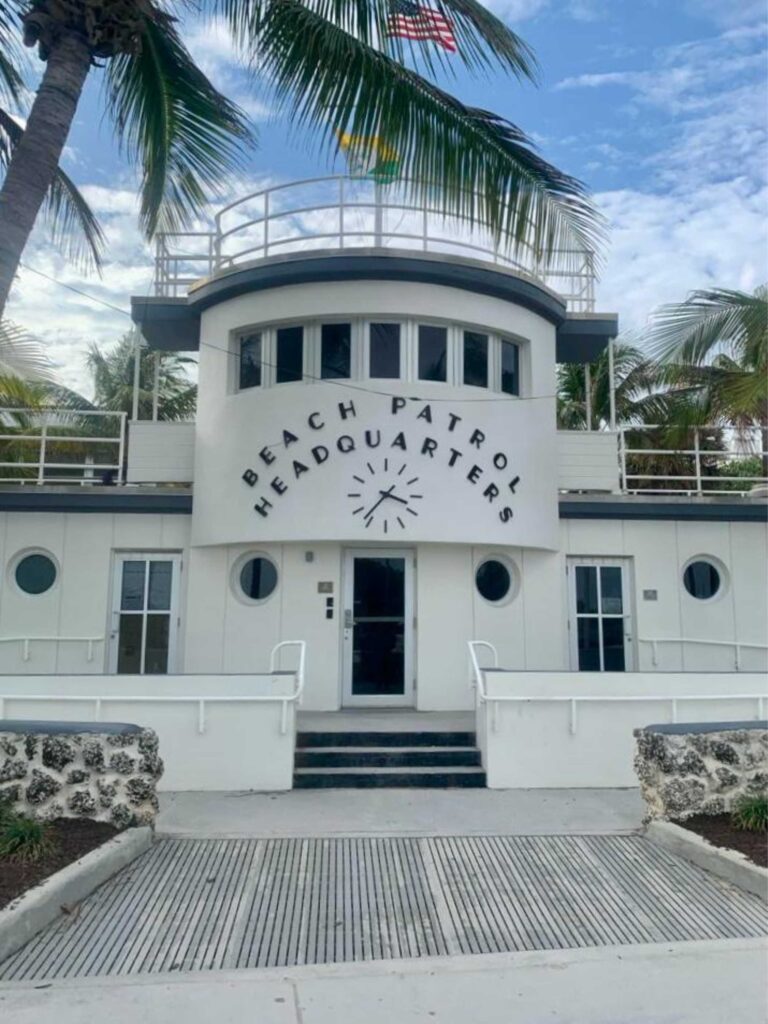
point(190, 905)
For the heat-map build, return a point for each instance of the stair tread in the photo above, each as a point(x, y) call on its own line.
point(392, 770)
point(382, 750)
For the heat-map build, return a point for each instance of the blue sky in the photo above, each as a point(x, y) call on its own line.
point(659, 106)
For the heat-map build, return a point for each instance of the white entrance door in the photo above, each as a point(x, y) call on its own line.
point(600, 620)
point(378, 628)
point(144, 626)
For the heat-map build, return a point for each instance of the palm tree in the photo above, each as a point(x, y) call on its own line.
point(113, 374)
point(333, 68)
point(25, 372)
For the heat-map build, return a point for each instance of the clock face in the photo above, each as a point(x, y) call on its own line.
point(385, 493)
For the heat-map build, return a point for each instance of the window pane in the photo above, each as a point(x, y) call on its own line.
point(510, 368)
point(586, 589)
point(258, 578)
point(129, 644)
point(160, 575)
point(156, 654)
point(132, 593)
point(476, 359)
point(433, 353)
point(610, 590)
point(701, 580)
point(385, 350)
point(290, 354)
point(379, 588)
point(493, 580)
point(589, 645)
point(250, 361)
point(336, 350)
point(613, 645)
point(35, 574)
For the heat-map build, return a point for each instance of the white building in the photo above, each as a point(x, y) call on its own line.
point(375, 470)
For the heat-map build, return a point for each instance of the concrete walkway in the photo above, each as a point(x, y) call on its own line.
point(402, 812)
point(689, 983)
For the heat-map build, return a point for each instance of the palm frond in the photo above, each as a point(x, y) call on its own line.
point(694, 330)
point(471, 163)
point(184, 134)
point(483, 40)
point(12, 57)
point(72, 224)
point(22, 355)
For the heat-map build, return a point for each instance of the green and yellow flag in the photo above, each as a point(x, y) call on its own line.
point(369, 156)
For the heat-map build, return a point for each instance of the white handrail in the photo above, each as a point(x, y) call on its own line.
point(25, 641)
point(736, 644)
point(474, 646)
point(283, 700)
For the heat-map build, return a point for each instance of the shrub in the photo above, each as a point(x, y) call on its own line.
point(25, 840)
point(751, 813)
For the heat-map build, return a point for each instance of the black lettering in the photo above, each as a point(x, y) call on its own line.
point(397, 405)
point(513, 484)
point(320, 454)
point(299, 468)
point(345, 444)
point(491, 492)
point(262, 507)
point(369, 438)
point(289, 438)
point(399, 441)
point(506, 514)
point(425, 414)
point(347, 410)
point(267, 456)
point(455, 455)
point(311, 421)
point(453, 420)
point(500, 460)
point(250, 477)
point(474, 474)
point(429, 447)
point(477, 438)
point(278, 486)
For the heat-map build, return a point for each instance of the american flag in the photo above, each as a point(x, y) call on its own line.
point(409, 20)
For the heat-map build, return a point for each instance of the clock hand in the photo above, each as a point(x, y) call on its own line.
point(394, 497)
point(384, 494)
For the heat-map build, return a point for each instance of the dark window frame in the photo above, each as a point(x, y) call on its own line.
point(445, 356)
point(293, 375)
point(256, 368)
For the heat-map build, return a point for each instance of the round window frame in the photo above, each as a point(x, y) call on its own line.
point(20, 556)
point(514, 578)
point(237, 567)
point(722, 572)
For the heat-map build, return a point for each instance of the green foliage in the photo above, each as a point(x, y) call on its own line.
point(25, 840)
point(751, 813)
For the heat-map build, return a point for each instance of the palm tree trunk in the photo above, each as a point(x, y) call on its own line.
point(35, 159)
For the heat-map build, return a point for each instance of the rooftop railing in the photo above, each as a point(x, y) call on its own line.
point(62, 446)
point(341, 213)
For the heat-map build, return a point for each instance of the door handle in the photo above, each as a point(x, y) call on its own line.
point(348, 620)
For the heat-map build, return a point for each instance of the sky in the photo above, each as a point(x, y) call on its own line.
point(658, 105)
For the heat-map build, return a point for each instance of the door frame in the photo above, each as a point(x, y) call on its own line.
point(118, 558)
point(628, 615)
point(408, 697)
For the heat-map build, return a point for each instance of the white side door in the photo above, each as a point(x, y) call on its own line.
point(144, 624)
point(378, 625)
point(600, 618)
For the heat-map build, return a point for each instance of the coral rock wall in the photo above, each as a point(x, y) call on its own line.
point(107, 776)
point(683, 772)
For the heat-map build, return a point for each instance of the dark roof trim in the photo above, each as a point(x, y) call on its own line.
point(167, 324)
point(582, 338)
point(693, 511)
point(105, 501)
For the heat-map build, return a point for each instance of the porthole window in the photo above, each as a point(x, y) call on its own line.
point(496, 580)
point(702, 579)
point(256, 578)
point(35, 573)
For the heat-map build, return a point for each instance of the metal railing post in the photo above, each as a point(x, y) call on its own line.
point(43, 444)
point(623, 460)
point(121, 449)
point(611, 385)
point(588, 395)
point(342, 200)
point(697, 456)
point(267, 215)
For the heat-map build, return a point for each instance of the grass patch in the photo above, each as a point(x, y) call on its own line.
point(750, 813)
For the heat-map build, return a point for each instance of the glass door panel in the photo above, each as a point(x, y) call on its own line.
point(143, 633)
point(378, 628)
point(599, 617)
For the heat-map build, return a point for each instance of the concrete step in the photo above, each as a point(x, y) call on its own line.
point(383, 757)
point(422, 738)
point(389, 777)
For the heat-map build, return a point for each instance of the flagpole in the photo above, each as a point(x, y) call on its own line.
point(378, 223)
